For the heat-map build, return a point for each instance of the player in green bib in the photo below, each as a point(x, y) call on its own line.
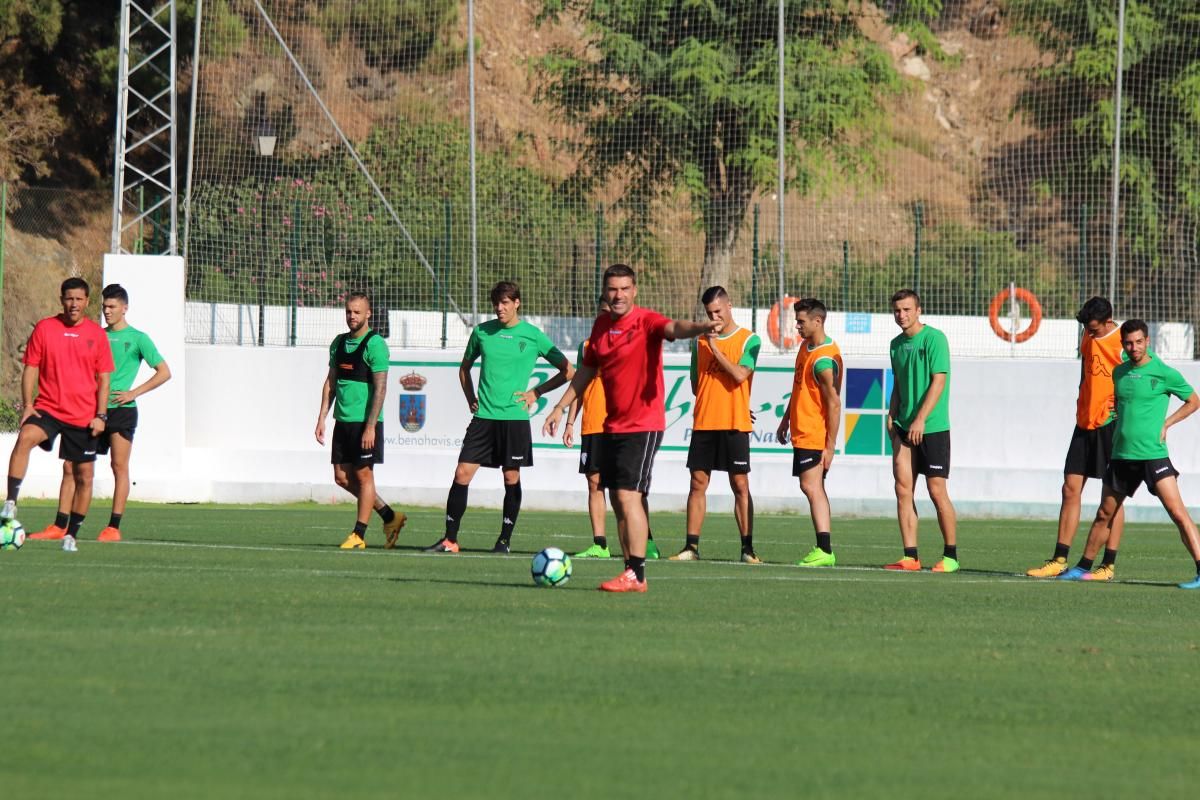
point(919, 426)
point(1142, 386)
point(498, 435)
point(130, 347)
point(356, 385)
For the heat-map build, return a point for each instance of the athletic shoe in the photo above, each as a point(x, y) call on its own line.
point(817, 558)
point(9, 511)
point(1194, 583)
point(109, 534)
point(595, 551)
point(353, 542)
point(500, 546)
point(625, 582)
point(686, 554)
point(442, 546)
point(947, 564)
point(52, 533)
point(69, 545)
point(1101, 573)
point(750, 558)
point(1073, 574)
point(652, 550)
point(1051, 569)
point(906, 564)
point(392, 530)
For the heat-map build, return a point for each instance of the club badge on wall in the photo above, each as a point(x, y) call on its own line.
point(412, 404)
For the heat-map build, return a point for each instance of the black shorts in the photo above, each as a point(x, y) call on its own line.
point(503, 443)
point(591, 450)
point(804, 460)
point(628, 460)
point(347, 445)
point(725, 451)
point(1089, 451)
point(78, 445)
point(1125, 476)
point(120, 420)
point(931, 457)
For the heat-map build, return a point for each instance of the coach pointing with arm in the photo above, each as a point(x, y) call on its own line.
point(626, 347)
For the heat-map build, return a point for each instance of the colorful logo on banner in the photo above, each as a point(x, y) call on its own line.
point(412, 406)
point(867, 394)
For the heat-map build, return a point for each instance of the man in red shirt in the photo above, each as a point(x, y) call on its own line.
point(68, 361)
point(625, 347)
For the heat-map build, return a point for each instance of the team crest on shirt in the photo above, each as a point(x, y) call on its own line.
point(412, 406)
point(521, 345)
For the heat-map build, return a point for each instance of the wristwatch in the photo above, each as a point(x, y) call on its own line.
point(102, 417)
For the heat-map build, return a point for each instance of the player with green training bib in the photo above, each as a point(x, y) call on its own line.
point(1142, 386)
point(498, 435)
point(919, 426)
point(130, 347)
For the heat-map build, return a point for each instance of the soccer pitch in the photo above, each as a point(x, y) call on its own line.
point(236, 652)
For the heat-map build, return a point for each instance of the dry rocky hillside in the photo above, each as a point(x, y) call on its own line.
point(949, 130)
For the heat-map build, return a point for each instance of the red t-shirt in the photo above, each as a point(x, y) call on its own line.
point(628, 353)
point(68, 359)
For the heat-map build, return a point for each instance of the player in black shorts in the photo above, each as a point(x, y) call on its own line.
point(498, 435)
point(356, 385)
point(1091, 442)
point(722, 372)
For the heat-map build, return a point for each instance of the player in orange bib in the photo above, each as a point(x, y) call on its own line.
point(722, 371)
point(1095, 421)
point(813, 416)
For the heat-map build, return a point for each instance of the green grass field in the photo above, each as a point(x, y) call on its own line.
point(236, 652)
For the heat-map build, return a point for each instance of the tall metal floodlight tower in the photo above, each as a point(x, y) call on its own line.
point(145, 206)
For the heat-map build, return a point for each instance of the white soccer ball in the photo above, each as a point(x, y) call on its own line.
point(551, 567)
point(12, 535)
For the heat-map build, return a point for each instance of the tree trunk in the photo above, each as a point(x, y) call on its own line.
point(723, 217)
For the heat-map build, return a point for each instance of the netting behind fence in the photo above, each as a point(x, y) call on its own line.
point(957, 147)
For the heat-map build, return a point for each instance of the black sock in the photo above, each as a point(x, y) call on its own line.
point(748, 543)
point(74, 522)
point(692, 542)
point(911, 552)
point(1198, 567)
point(950, 551)
point(60, 519)
point(649, 536)
point(1061, 551)
point(600, 541)
point(1110, 558)
point(360, 528)
point(14, 487)
point(456, 506)
point(823, 543)
point(638, 565)
point(1085, 564)
point(512, 508)
point(385, 513)
point(114, 521)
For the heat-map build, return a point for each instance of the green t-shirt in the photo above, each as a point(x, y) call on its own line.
point(915, 360)
point(1141, 394)
point(351, 399)
point(130, 347)
point(508, 357)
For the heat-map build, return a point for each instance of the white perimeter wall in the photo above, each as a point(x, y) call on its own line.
point(236, 425)
point(247, 419)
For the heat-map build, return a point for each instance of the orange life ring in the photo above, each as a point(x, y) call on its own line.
point(789, 340)
point(1035, 310)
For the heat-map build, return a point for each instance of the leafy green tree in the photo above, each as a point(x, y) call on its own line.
point(1072, 101)
point(682, 94)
